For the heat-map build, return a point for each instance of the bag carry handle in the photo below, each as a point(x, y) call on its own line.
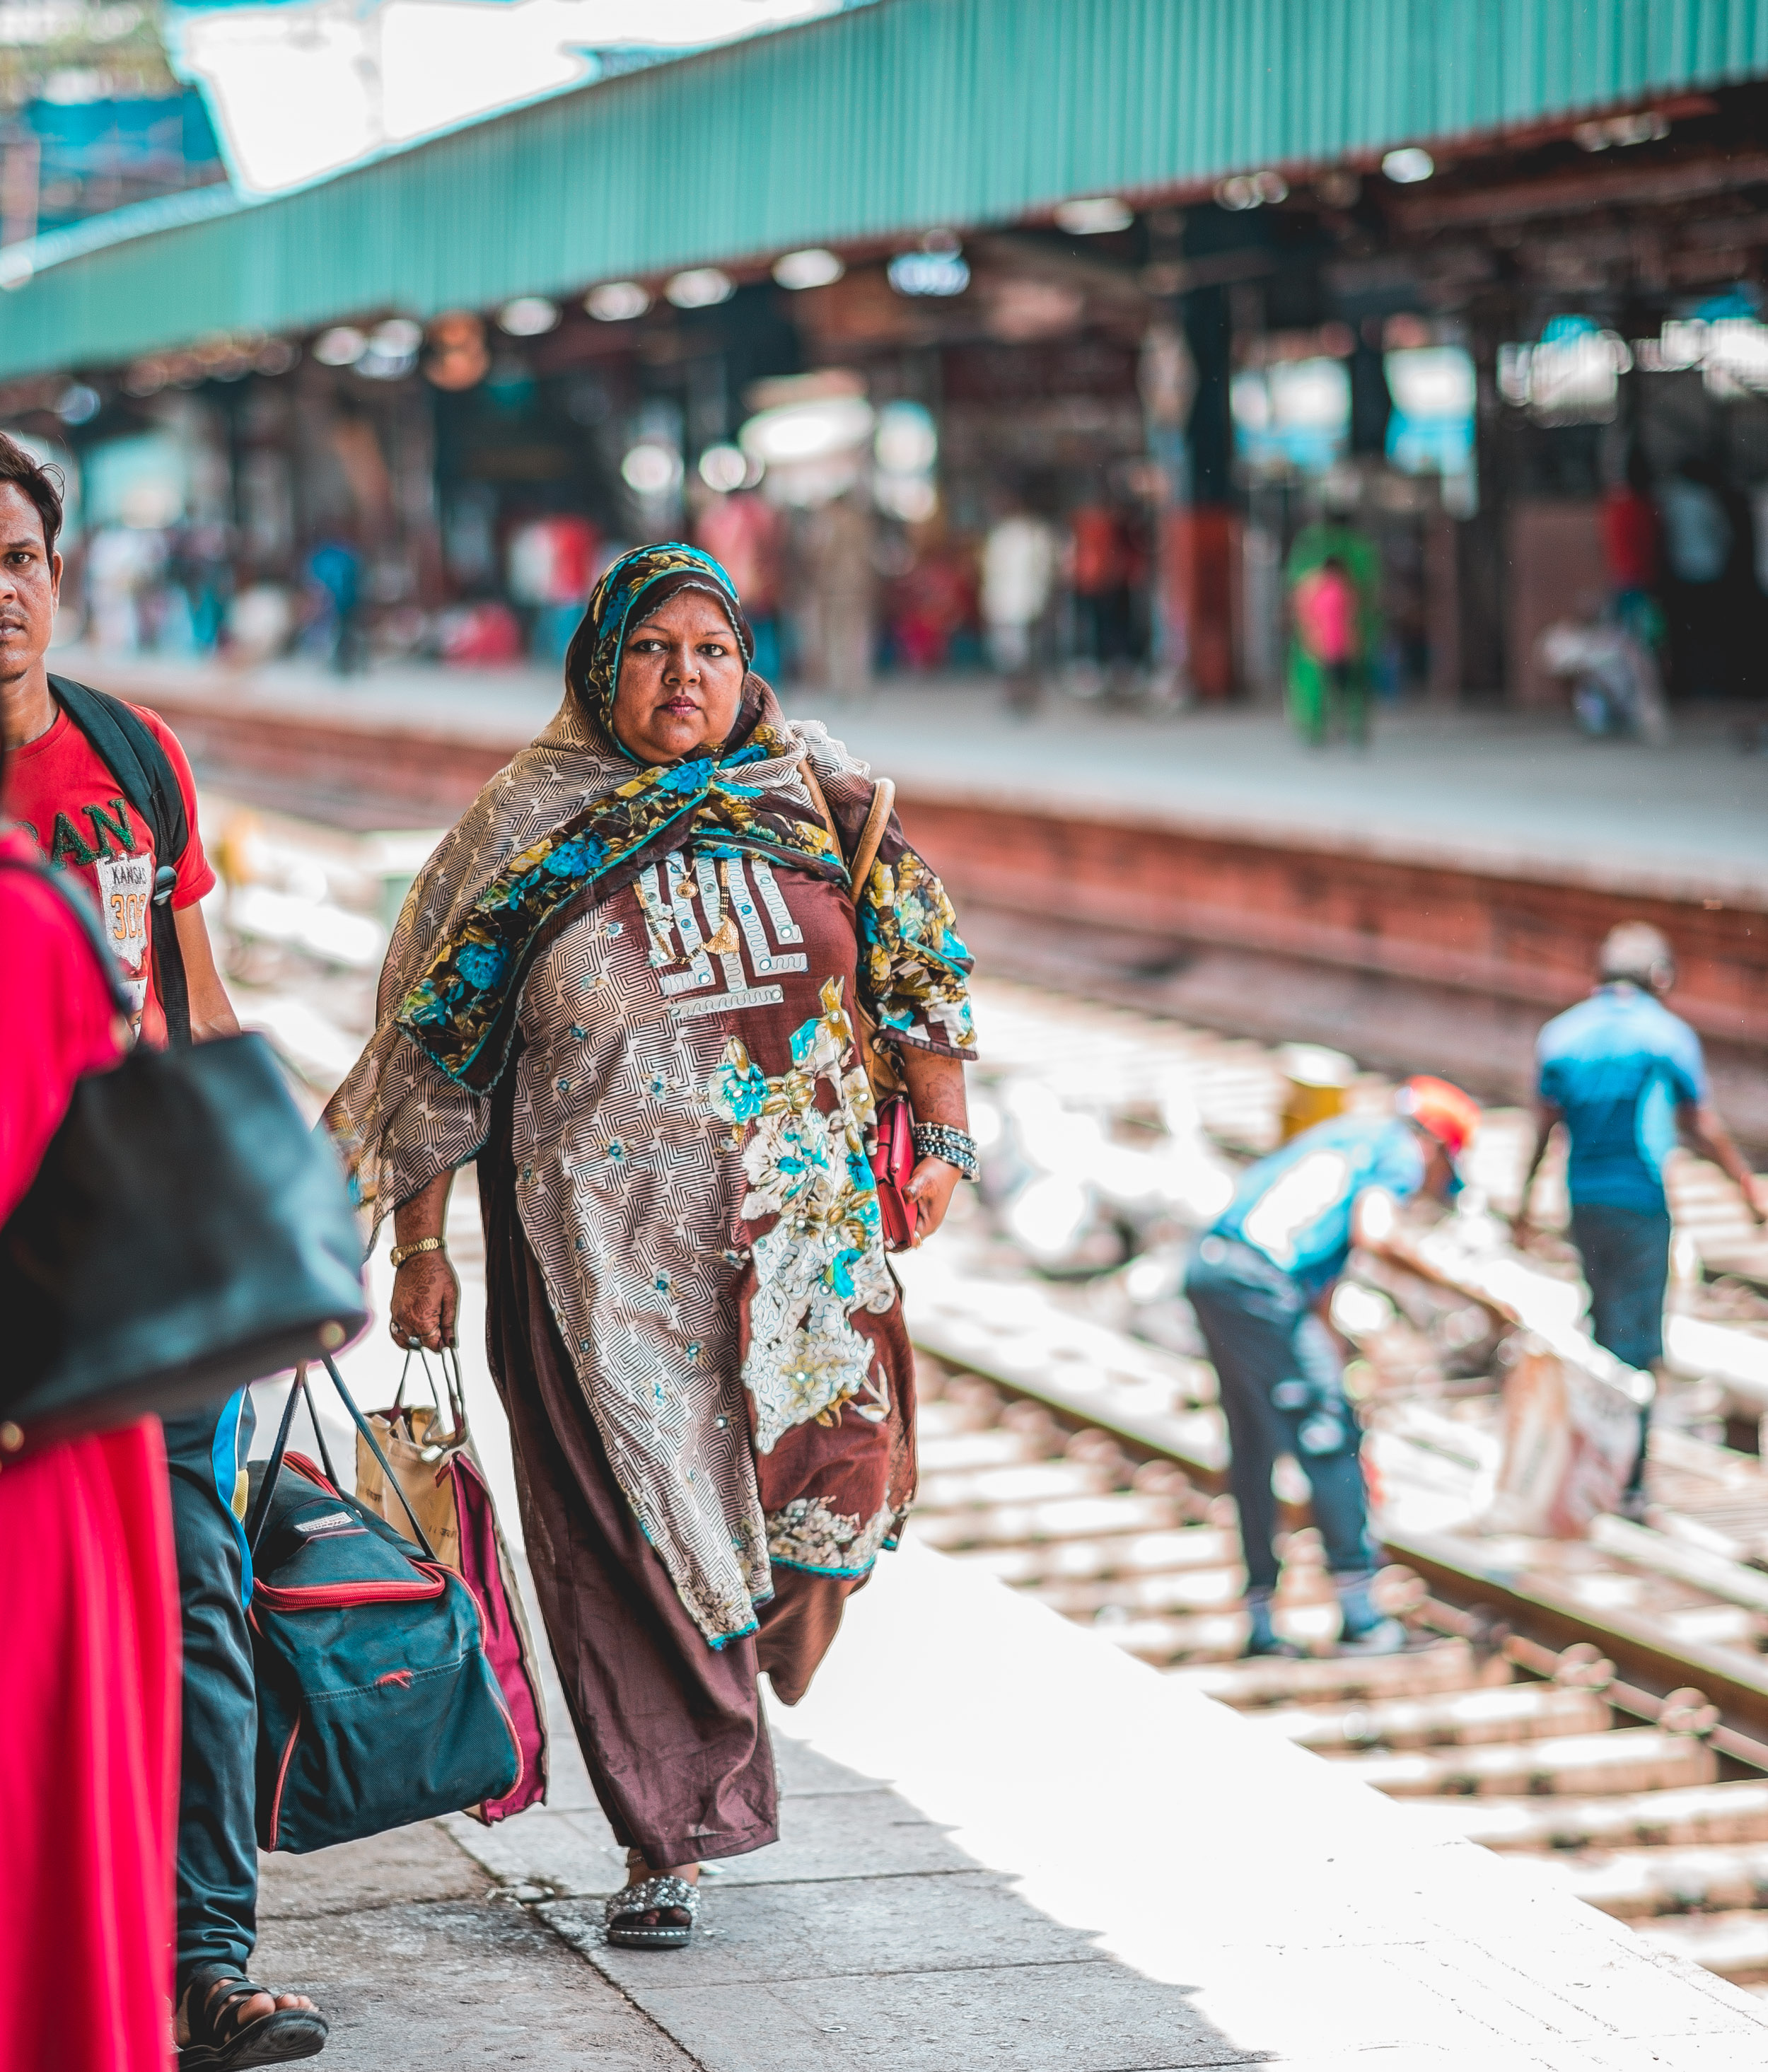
point(449, 1358)
point(261, 1509)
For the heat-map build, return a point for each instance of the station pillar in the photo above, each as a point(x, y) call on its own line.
point(1200, 534)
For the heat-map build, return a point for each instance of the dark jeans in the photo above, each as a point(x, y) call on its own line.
point(217, 1842)
point(1626, 1261)
point(1282, 1392)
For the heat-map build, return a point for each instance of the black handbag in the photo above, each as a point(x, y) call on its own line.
point(377, 1702)
point(185, 1232)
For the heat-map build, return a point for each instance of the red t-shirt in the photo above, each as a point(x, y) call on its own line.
point(1325, 604)
point(62, 791)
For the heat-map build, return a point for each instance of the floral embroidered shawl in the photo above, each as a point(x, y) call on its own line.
point(571, 819)
point(404, 1114)
point(461, 1013)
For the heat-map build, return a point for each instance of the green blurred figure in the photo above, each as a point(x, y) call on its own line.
point(1334, 576)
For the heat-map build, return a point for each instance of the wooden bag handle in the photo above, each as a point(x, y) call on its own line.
point(859, 867)
point(879, 1070)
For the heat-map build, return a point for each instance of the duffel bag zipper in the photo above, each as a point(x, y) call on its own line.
point(281, 1779)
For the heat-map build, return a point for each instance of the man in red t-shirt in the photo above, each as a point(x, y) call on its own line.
point(65, 794)
point(58, 784)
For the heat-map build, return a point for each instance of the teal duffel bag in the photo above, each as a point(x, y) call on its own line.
point(377, 1705)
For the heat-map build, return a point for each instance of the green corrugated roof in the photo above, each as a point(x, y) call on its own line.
point(886, 119)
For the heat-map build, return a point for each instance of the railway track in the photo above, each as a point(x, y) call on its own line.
point(1596, 1707)
point(1636, 1793)
point(1599, 1708)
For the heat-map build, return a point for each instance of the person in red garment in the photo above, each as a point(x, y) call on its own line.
point(89, 1663)
point(60, 789)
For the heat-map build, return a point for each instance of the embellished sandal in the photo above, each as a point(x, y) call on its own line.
point(623, 1914)
point(220, 2041)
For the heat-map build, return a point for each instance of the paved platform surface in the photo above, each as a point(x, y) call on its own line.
point(1516, 793)
point(1006, 1844)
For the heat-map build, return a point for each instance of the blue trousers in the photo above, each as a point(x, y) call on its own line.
point(217, 1839)
point(1282, 1392)
point(1626, 1261)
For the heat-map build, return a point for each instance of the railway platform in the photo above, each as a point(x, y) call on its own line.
point(1518, 792)
point(1437, 896)
point(1006, 1842)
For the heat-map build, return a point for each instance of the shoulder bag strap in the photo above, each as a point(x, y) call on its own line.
point(879, 1070)
point(821, 804)
point(865, 852)
point(859, 865)
point(126, 745)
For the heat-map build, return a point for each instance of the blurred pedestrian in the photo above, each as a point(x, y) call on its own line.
point(843, 601)
point(1632, 553)
point(1616, 688)
point(1625, 1076)
point(933, 600)
point(1098, 561)
point(1335, 629)
point(62, 783)
point(1261, 1283)
point(743, 533)
point(1019, 560)
point(88, 1663)
point(1327, 612)
point(335, 574)
point(625, 985)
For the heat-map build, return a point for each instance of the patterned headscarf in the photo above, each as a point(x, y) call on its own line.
point(461, 1012)
point(651, 574)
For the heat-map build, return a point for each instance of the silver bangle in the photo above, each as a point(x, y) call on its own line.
point(956, 1147)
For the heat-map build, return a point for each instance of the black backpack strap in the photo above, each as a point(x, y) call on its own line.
point(126, 745)
point(74, 897)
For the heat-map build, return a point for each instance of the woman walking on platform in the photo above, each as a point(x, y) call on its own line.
point(627, 983)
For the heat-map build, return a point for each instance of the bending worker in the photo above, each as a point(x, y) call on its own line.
point(1261, 1283)
point(1625, 1075)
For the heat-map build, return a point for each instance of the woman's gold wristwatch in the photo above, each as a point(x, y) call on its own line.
point(401, 1253)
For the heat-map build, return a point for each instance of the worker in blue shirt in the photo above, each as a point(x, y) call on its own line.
point(1260, 1282)
point(1626, 1077)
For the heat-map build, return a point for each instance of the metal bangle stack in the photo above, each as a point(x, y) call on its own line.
point(956, 1147)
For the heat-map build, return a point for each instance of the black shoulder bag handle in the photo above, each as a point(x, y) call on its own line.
point(150, 784)
point(184, 1232)
point(299, 1392)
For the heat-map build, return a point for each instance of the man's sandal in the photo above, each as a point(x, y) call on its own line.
point(221, 2041)
point(623, 1912)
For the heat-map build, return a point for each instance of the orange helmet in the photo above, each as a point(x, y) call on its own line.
point(1448, 1114)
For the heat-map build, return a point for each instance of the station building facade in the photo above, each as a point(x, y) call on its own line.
point(1513, 344)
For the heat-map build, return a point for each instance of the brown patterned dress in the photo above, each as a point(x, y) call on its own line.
point(623, 1174)
point(692, 1322)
